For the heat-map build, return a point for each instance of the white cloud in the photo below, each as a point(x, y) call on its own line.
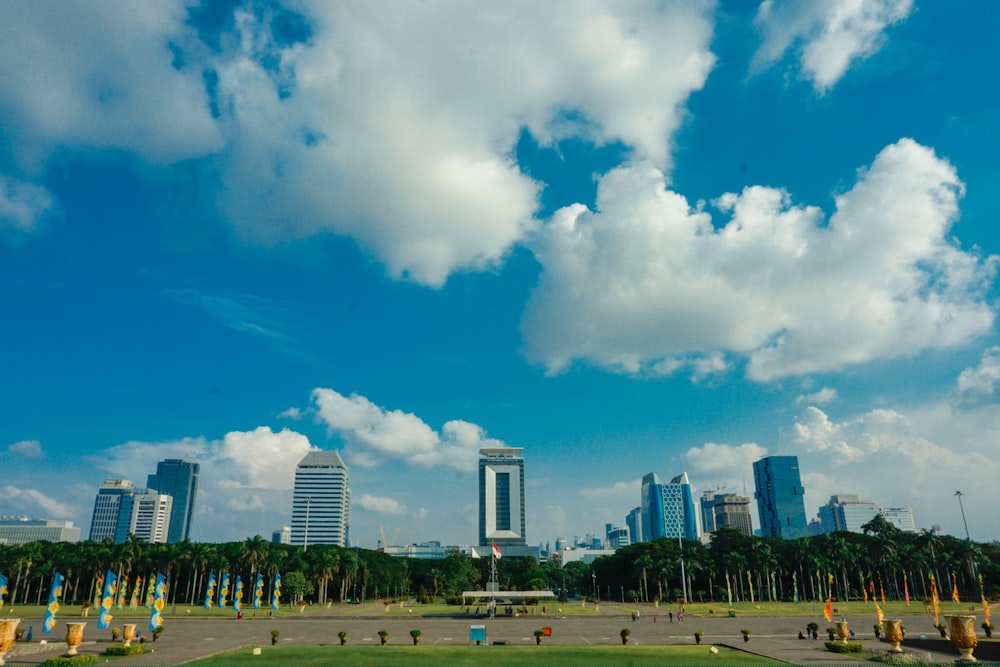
point(646, 284)
point(723, 464)
point(628, 490)
point(32, 501)
point(380, 504)
point(828, 37)
point(372, 434)
point(980, 383)
point(85, 75)
point(822, 397)
point(359, 142)
point(29, 449)
point(22, 204)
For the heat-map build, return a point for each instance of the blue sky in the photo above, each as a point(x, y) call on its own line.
point(627, 237)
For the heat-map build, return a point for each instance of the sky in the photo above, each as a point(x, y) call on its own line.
point(626, 237)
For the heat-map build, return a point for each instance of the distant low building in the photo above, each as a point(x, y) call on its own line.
point(21, 530)
point(900, 517)
point(846, 512)
point(282, 535)
point(582, 555)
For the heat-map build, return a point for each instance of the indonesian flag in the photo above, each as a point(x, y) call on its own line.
point(496, 551)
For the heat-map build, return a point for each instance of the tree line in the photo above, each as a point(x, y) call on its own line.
point(883, 561)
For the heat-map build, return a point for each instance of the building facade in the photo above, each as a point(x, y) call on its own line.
point(668, 509)
point(179, 480)
point(706, 507)
point(634, 522)
point(501, 499)
point(846, 512)
point(730, 510)
point(149, 515)
point(21, 530)
point(108, 521)
point(780, 497)
point(321, 501)
point(900, 517)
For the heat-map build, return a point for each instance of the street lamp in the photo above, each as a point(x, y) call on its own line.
point(593, 577)
point(680, 546)
point(958, 494)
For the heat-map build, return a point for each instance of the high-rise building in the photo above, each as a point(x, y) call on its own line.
point(501, 499)
point(179, 480)
point(707, 508)
point(616, 536)
point(108, 522)
point(900, 517)
point(846, 512)
point(321, 501)
point(730, 510)
point(668, 509)
point(282, 535)
point(634, 523)
point(149, 515)
point(21, 529)
point(780, 497)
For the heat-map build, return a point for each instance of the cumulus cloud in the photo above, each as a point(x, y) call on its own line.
point(380, 504)
point(85, 76)
point(34, 502)
point(347, 132)
point(29, 449)
point(821, 397)
point(22, 204)
point(827, 37)
point(723, 463)
point(372, 434)
point(979, 384)
point(647, 284)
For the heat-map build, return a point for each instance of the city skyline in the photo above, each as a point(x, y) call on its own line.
point(671, 236)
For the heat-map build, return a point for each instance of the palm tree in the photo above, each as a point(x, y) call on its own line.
point(643, 563)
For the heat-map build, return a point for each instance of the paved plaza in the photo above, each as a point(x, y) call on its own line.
point(186, 639)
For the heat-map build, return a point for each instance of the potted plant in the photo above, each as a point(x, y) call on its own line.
point(942, 628)
point(625, 633)
point(813, 629)
point(157, 631)
point(274, 637)
point(383, 636)
point(746, 635)
point(416, 636)
point(832, 633)
point(878, 630)
point(538, 636)
point(697, 637)
point(988, 628)
point(116, 634)
point(343, 637)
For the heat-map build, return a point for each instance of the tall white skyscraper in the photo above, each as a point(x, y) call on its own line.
point(105, 521)
point(501, 498)
point(321, 501)
point(150, 516)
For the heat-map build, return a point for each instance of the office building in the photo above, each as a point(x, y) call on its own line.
point(179, 480)
point(282, 535)
point(616, 536)
point(321, 501)
point(149, 515)
point(900, 517)
point(108, 522)
point(21, 530)
point(668, 509)
point(730, 510)
point(846, 512)
point(707, 509)
point(501, 500)
point(634, 523)
point(780, 497)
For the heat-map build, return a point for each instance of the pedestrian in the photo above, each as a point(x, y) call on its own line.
point(670, 615)
point(680, 617)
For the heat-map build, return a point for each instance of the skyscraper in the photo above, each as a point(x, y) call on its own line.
point(179, 480)
point(707, 508)
point(780, 497)
point(321, 501)
point(846, 512)
point(668, 509)
point(106, 521)
point(501, 498)
point(732, 511)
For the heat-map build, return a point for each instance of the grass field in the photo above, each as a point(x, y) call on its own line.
point(890, 609)
point(515, 656)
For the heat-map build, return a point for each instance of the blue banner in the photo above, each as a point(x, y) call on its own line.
point(210, 591)
point(107, 599)
point(276, 593)
point(159, 600)
point(50, 611)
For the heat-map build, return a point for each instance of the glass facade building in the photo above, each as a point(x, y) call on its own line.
point(179, 480)
point(501, 497)
point(668, 510)
point(780, 497)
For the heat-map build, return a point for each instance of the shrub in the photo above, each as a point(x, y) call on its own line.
point(844, 647)
point(539, 633)
point(625, 632)
point(813, 626)
point(383, 633)
point(414, 633)
point(134, 649)
point(81, 659)
point(342, 634)
point(275, 633)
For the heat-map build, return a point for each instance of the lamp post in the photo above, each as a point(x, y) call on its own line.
point(305, 536)
point(958, 494)
point(680, 545)
point(593, 578)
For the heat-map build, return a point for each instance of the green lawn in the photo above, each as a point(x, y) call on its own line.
point(432, 656)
